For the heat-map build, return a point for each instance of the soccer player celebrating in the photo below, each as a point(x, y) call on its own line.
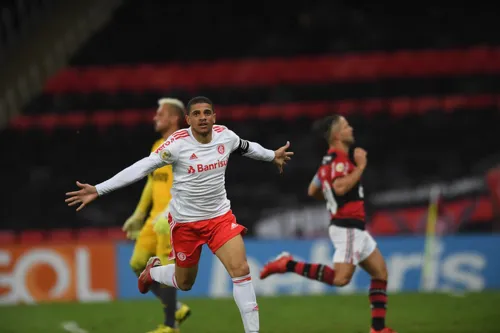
point(338, 181)
point(199, 211)
point(155, 198)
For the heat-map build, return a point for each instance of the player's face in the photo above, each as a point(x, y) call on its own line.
point(201, 118)
point(162, 119)
point(345, 132)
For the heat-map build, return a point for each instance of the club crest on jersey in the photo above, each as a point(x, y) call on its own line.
point(339, 167)
point(221, 149)
point(165, 155)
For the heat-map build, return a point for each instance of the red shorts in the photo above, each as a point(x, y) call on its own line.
point(188, 238)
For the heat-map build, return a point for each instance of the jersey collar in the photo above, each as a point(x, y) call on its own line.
point(337, 151)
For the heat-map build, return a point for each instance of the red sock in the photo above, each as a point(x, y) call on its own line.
point(378, 301)
point(316, 272)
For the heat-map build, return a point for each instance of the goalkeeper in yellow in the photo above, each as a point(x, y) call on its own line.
point(154, 199)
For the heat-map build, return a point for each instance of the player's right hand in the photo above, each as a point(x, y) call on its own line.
point(360, 157)
point(133, 225)
point(84, 196)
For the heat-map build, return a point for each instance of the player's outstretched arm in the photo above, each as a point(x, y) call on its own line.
point(133, 173)
point(255, 151)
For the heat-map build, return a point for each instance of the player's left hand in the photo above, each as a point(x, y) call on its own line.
point(133, 224)
point(84, 196)
point(281, 156)
point(161, 225)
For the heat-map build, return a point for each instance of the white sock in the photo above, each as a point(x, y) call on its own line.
point(244, 296)
point(164, 275)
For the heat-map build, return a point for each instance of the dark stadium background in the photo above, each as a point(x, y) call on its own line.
point(79, 84)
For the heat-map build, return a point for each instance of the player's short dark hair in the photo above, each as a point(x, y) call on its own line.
point(198, 100)
point(324, 126)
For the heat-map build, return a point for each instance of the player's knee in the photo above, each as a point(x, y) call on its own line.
point(185, 281)
point(238, 269)
point(343, 278)
point(184, 284)
point(342, 281)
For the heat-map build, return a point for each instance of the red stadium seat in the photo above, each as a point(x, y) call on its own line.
point(74, 120)
point(32, 237)
point(104, 118)
point(115, 234)
point(139, 81)
point(218, 74)
point(61, 235)
point(272, 71)
point(64, 81)
point(130, 118)
point(403, 64)
point(23, 122)
point(372, 106)
point(91, 80)
point(48, 121)
point(7, 237)
point(90, 235)
point(400, 106)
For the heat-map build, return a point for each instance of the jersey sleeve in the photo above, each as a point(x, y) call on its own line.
point(234, 140)
point(316, 180)
point(167, 152)
point(249, 149)
point(339, 167)
point(133, 173)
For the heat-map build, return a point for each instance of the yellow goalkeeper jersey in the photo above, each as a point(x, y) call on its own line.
point(162, 179)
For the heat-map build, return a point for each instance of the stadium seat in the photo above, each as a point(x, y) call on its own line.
point(274, 71)
point(7, 237)
point(30, 237)
point(61, 235)
point(269, 85)
point(90, 235)
point(115, 234)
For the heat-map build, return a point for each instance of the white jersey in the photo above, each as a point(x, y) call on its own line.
point(198, 190)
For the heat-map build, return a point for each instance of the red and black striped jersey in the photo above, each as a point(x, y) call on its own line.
point(349, 206)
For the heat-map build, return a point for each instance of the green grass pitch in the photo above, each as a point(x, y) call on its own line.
point(407, 313)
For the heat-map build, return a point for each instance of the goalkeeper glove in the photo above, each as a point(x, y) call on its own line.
point(133, 225)
point(161, 225)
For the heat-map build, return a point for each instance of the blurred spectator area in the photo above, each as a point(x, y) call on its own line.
point(420, 87)
point(146, 31)
point(17, 16)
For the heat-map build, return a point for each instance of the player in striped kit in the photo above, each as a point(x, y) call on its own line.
point(199, 212)
point(338, 182)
